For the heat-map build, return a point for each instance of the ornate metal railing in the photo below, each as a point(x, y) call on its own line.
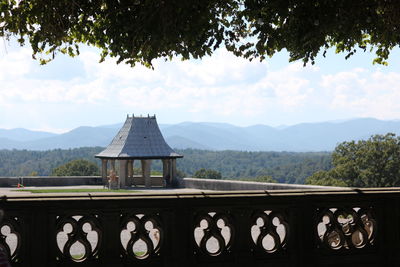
point(275, 228)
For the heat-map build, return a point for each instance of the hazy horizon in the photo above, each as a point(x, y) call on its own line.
point(206, 122)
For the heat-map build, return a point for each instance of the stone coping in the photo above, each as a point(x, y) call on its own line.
point(230, 185)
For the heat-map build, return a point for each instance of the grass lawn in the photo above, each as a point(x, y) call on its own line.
point(78, 190)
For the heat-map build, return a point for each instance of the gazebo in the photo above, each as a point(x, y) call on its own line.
point(139, 139)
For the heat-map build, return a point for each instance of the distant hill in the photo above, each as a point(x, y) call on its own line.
point(6, 143)
point(80, 137)
point(303, 137)
point(21, 134)
point(180, 142)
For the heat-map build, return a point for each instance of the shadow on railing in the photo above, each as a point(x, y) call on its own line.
point(254, 228)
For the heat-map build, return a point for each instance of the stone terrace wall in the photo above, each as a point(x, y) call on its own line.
point(68, 181)
point(50, 181)
point(206, 184)
point(233, 185)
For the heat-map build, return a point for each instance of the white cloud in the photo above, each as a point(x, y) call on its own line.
point(364, 93)
point(198, 87)
point(220, 87)
point(287, 86)
point(15, 64)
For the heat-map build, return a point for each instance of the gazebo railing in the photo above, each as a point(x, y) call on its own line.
point(252, 228)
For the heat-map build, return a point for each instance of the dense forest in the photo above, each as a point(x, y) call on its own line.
point(285, 167)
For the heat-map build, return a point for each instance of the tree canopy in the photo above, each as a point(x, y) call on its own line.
point(138, 31)
point(207, 174)
point(261, 179)
point(284, 167)
point(79, 167)
point(367, 163)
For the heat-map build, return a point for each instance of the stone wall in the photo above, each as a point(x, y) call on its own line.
point(156, 181)
point(233, 185)
point(50, 181)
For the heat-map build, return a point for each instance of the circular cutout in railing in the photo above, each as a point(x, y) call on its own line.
point(77, 237)
point(141, 236)
point(269, 231)
point(213, 233)
point(346, 228)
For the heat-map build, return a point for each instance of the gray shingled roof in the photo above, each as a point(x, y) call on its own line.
point(139, 138)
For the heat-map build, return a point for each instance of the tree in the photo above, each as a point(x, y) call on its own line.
point(367, 163)
point(180, 174)
point(265, 179)
point(207, 174)
point(79, 167)
point(141, 30)
point(261, 179)
point(325, 178)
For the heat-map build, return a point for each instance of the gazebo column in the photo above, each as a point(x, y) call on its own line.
point(112, 163)
point(122, 173)
point(130, 172)
point(174, 181)
point(130, 168)
point(166, 172)
point(104, 171)
point(113, 176)
point(146, 172)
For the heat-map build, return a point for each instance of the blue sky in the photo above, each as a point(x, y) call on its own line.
point(71, 92)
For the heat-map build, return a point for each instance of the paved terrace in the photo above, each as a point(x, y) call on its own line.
point(14, 191)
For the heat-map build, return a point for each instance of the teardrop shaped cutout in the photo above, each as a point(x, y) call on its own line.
point(140, 249)
point(212, 245)
point(268, 243)
point(78, 251)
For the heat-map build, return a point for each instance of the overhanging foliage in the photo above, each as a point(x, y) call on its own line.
point(138, 31)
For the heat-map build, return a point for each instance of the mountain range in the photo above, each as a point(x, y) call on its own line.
point(302, 137)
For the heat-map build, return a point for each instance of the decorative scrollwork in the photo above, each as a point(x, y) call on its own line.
point(269, 231)
point(10, 239)
point(141, 236)
point(213, 233)
point(346, 228)
point(78, 237)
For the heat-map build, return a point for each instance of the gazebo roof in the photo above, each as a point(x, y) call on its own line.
point(139, 138)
